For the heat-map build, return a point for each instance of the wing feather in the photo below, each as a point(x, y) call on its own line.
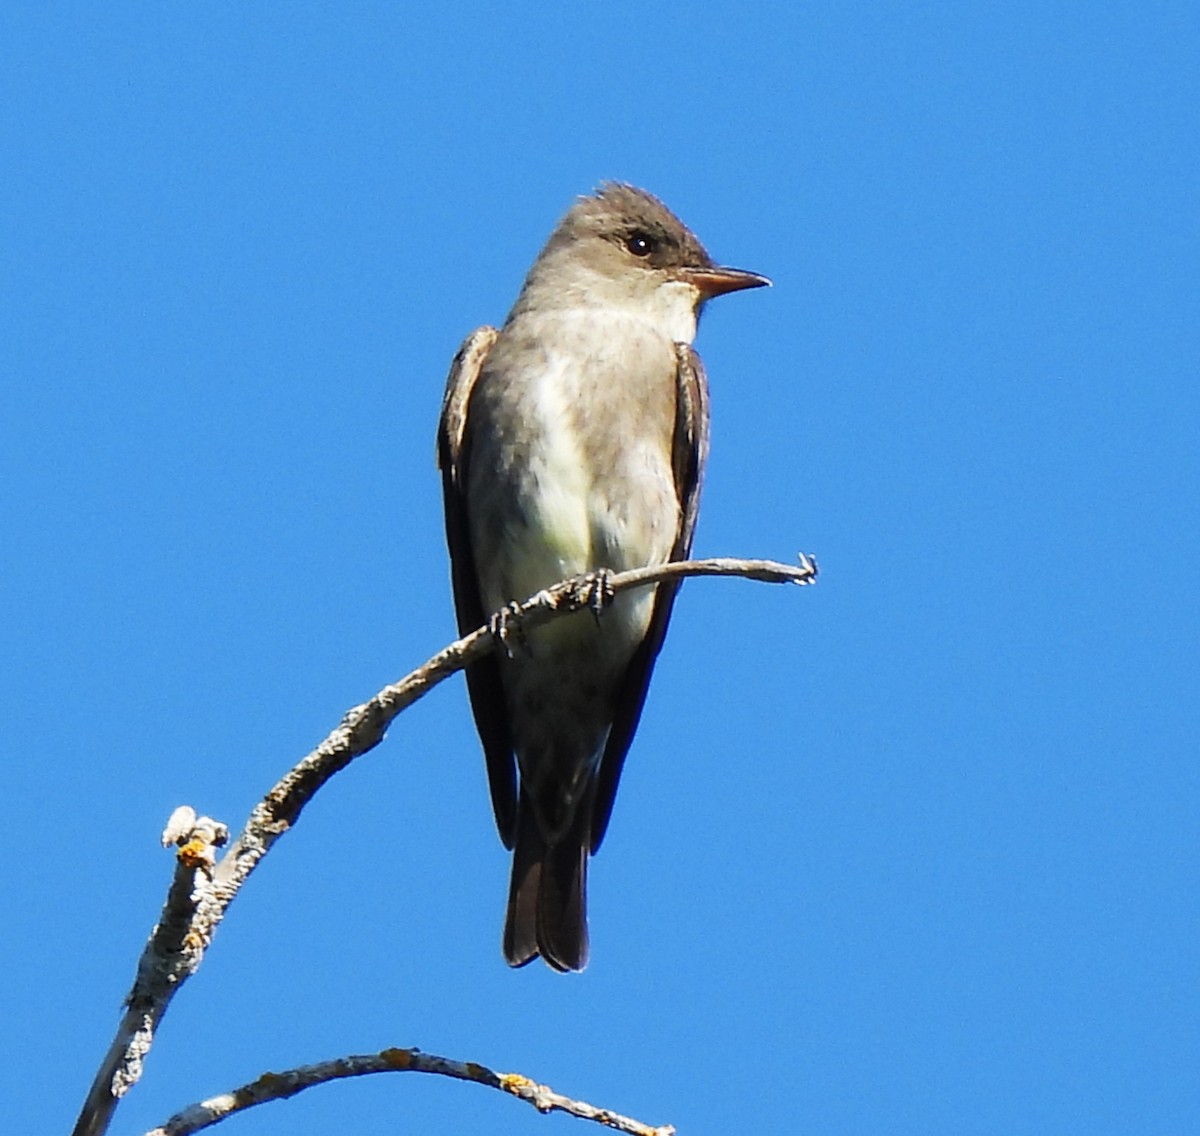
point(483, 677)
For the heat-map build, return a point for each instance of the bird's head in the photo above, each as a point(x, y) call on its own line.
point(622, 247)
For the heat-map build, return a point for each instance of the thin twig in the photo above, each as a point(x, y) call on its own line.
point(203, 886)
point(279, 1086)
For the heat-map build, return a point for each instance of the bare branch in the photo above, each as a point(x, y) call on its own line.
point(168, 959)
point(203, 886)
point(279, 1086)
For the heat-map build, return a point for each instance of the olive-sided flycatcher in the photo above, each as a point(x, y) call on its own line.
point(571, 440)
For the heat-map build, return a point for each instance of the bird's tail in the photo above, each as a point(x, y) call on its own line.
point(547, 898)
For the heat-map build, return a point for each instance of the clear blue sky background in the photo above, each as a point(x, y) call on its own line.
point(910, 852)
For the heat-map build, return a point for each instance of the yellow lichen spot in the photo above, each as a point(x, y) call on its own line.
point(194, 853)
point(397, 1058)
point(515, 1083)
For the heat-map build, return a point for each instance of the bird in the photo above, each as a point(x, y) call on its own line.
point(572, 440)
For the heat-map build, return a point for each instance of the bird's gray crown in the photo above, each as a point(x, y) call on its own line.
point(635, 224)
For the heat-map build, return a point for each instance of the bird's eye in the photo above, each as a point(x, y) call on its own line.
point(640, 243)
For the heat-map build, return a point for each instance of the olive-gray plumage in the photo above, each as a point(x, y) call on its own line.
point(574, 439)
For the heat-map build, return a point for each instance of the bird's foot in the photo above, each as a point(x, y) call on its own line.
point(505, 628)
point(596, 591)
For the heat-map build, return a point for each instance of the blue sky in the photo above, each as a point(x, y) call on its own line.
point(910, 852)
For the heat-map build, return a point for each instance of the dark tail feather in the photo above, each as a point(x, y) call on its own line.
point(562, 933)
point(520, 925)
point(547, 899)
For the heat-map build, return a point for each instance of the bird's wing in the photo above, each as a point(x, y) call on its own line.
point(689, 452)
point(483, 677)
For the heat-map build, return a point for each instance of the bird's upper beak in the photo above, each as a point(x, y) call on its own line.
point(716, 281)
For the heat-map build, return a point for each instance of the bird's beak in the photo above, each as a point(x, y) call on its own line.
point(716, 281)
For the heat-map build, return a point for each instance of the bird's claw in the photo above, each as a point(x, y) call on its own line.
point(596, 591)
point(505, 628)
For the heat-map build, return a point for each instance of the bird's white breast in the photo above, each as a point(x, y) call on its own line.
point(586, 420)
point(559, 484)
